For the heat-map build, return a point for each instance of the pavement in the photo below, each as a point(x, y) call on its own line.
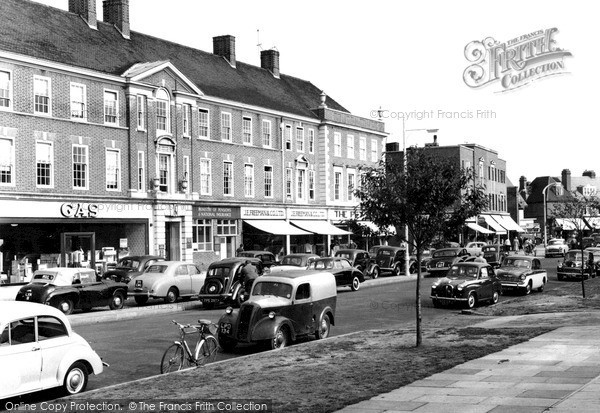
point(555, 372)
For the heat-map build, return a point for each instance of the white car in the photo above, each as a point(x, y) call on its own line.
point(474, 248)
point(39, 350)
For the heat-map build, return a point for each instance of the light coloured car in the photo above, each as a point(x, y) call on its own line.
point(522, 274)
point(556, 246)
point(39, 350)
point(168, 280)
point(294, 262)
point(474, 248)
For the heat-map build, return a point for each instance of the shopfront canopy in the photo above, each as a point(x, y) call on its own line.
point(499, 229)
point(479, 228)
point(320, 227)
point(275, 226)
point(507, 222)
point(571, 224)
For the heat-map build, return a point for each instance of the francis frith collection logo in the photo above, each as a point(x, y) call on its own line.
point(516, 62)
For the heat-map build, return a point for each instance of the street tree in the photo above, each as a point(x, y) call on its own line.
point(429, 195)
point(575, 209)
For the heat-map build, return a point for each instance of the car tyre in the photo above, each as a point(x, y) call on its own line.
point(412, 269)
point(76, 378)
point(397, 270)
point(117, 301)
point(281, 338)
point(528, 288)
point(171, 296)
point(141, 300)
point(541, 287)
point(65, 305)
point(471, 300)
point(495, 297)
point(323, 328)
point(227, 344)
point(355, 284)
point(375, 273)
point(560, 277)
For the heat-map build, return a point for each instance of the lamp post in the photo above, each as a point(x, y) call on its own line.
point(544, 195)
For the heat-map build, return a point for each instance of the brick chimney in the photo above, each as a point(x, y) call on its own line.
point(269, 59)
point(225, 46)
point(566, 179)
point(116, 12)
point(86, 9)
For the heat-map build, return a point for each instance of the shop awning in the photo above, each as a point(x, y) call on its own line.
point(499, 229)
point(320, 227)
point(275, 226)
point(593, 222)
point(570, 224)
point(479, 228)
point(507, 222)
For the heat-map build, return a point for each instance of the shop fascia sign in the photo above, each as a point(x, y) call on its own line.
point(206, 212)
point(342, 214)
point(79, 210)
point(320, 214)
point(262, 213)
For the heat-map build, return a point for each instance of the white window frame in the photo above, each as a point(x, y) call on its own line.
point(49, 83)
point(301, 184)
point(141, 171)
point(288, 137)
point(350, 184)
point(350, 146)
point(169, 181)
point(267, 134)
point(311, 141)
point(268, 181)
point(338, 184)
point(12, 165)
point(205, 176)
point(311, 185)
point(83, 104)
point(108, 171)
point(229, 165)
point(142, 110)
point(162, 96)
point(249, 180)
point(374, 151)
point(337, 144)
point(116, 103)
point(51, 169)
point(207, 245)
point(246, 130)
point(87, 167)
point(202, 125)
point(9, 90)
point(186, 109)
point(226, 127)
point(186, 173)
point(289, 183)
point(362, 149)
point(299, 139)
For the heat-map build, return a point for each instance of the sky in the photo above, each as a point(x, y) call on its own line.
point(408, 58)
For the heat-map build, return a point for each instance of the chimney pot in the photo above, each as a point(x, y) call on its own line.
point(116, 12)
point(225, 46)
point(86, 9)
point(269, 59)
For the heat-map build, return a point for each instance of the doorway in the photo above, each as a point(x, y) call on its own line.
point(172, 241)
point(78, 249)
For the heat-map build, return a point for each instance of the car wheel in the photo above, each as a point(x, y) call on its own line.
point(76, 378)
point(141, 300)
point(560, 277)
point(471, 300)
point(171, 296)
point(397, 270)
point(65, 305)
point(117, 301)
point(324, 327)
point(412, 269)
point(355, 284)
point(213, 286)
point(495, 297)
point(528, 288)
point(281, 338)
point(541, 287)
point(227, 344)
point(375, 273)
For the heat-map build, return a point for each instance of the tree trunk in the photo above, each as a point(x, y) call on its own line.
point(583, 261)
point(418, 299)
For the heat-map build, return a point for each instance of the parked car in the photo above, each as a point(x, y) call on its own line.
point(41, 351)
point(224, 281)
point(375, 249)
point(391, 259)
point(345, 274)
point(443, 259)
point(426, 256)
point(361, 260)
point(467, 283)
point(572, 264)
point(522, 273)
point(475, 247)
point(73, 288)
point(130, 267)
point(555, 247)
point(267, 258)
point(294, 262)
point(493, 254)
point(282, 307)
point(168, 280)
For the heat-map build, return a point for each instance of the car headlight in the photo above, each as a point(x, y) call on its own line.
point(229, 310)
point(272, 314)
point(522, 277)
point(460, 287)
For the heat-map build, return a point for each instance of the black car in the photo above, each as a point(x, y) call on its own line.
point(442, 259)
point(267, 258)
point(345, 274)
point(493, 254)
point(130, 267)
point(361, 260)
point(223, 283)
point(71, 288)
point(391, 259)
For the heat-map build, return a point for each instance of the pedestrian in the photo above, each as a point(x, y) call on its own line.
point(480, 257)
point(516, 244)
point(249, 274)
point(507, 246)
point(240, 249)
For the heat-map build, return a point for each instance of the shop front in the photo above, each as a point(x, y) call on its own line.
point(44, 234)
point(215, 233)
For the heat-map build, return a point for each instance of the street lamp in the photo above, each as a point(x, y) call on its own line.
point(544, 195)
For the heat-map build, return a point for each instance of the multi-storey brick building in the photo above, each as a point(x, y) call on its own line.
point(111, 138)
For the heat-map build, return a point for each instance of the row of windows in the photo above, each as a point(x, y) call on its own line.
point(497, 202)
point(350, 151)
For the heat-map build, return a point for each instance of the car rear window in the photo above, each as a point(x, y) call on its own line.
point(43, 277)
point(444, 253)
point(219, 272)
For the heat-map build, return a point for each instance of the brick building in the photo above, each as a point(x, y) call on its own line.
point(114, 139)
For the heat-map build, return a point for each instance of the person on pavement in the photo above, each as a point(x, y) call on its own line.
point(249, 274)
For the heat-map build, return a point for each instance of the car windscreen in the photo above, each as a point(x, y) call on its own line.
point(346, 255)
point(573, 255)
point(295, 261)
point(157, 268)
point(516, 262)
point(277, 289)
point(444, 253)
point(463, 271)
point(555, 242)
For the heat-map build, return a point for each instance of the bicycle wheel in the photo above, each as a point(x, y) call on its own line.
point(208, 351)
point(173, 359)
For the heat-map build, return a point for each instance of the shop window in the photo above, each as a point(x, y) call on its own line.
point(5, 89)
point(111, 107)
point(226, 227)
point(202, 235)
point(7, 161)
point(268, 181)
point(78, 99)
point(266, 133)
point(228, 178)
point(80, 167)
point(113, 169)
point(205, 176)
point(44, 155)
point(203, 125)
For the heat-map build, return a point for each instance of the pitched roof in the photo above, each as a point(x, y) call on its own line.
point(48, 33)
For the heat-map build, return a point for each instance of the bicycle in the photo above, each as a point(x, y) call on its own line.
point(179, 354)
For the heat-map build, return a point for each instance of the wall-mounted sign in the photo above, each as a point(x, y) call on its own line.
point(341, 214)
point(207, 212)
point(122, 242)
point(307, 213)
point(262, 213)
point(78, 210)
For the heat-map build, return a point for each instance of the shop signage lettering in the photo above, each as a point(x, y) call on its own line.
point(217, 212)
point(78, 210)
point(308, 214)
point(263, 213)
point(341, 214)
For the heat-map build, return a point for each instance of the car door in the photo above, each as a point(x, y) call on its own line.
point(183, 280)
point(302, 313)
point(21, 356)
point(92, 293)
point(54, 343)
point(486, 285)
point(195, 278)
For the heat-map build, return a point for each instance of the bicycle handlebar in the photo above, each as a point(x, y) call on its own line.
point(196, 326)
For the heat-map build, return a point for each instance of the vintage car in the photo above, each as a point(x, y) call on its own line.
point(41, 351)
point(522, 273)
point(73, 288)
point(281, 308)
point(555, 247)
point(475, 247)
point(572, 266)
point(425, 258)
point(268, 258)
point(391, 259)
point(493, 254)
point(375, 249)
point(467, 283)
point(361, 260)
point(345, 274)
point(224, 283)
point(130, 267)
point(168, 280)
point(442, 259)
point(294, 262)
